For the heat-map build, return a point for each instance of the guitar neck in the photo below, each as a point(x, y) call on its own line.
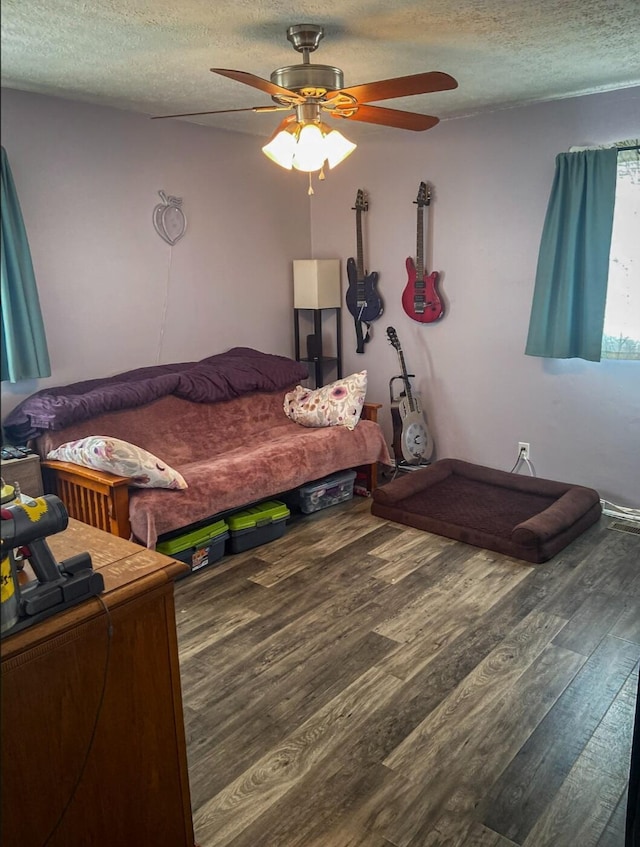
point(360, 252)
point(360, 294)
point(405, 377)
point(420, 247)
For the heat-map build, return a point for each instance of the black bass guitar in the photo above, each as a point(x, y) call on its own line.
point(412, 442)
point(363, 300)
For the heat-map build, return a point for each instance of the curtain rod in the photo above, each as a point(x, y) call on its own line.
point(631, 147)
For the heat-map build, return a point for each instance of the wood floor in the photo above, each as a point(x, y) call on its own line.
point(358, 683)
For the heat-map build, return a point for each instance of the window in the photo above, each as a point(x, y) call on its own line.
point(621, 333)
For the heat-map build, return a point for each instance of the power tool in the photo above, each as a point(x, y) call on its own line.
point(24, 527)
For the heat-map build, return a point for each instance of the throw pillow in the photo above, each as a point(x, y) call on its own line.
point(337, 404)
point(104, 453)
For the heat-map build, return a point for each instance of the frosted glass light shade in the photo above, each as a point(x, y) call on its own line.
point(306, 146)
point(337, 147)
point(309, 151)
point(316, 284)
point(281, 149)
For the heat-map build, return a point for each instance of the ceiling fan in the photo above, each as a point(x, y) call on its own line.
point(308, 84)
point(311, 90)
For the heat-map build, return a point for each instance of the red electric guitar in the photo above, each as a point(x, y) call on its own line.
point(420, 298)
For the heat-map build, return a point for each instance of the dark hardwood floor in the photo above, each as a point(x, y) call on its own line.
point(358, 683)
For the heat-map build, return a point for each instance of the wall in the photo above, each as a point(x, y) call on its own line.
point(88, 181)
point(491, 175)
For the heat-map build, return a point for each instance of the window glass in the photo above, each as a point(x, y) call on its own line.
point(621, 334)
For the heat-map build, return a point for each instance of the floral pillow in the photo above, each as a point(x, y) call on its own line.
point(104, 453)
point(337, 404)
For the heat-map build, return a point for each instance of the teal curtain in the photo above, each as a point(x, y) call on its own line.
point(24, 346)
point(567, 314)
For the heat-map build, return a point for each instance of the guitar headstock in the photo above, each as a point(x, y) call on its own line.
point(362, 204)
point(392, 335)
point(424, 195)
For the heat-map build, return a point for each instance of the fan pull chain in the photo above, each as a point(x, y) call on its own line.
point(310, 191)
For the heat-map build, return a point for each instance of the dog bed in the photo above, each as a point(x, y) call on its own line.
point(522, 516)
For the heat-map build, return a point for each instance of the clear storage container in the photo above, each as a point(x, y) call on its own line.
point(327, 491)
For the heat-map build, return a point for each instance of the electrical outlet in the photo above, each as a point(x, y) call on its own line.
point(523, 449)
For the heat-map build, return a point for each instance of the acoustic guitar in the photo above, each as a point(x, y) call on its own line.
point(420, 298)
point(363, 300)
point(412, 442)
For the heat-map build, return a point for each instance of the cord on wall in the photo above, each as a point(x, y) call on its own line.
point(170, 223)
point(163, 319)
point(623, 512)
point(522, 458)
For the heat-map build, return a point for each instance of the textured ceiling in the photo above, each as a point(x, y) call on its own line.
point(153, 56)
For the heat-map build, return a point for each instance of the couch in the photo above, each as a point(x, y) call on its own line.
point(220, 423)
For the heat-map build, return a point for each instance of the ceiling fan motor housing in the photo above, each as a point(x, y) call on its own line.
point(307, 79)
point(299, 77)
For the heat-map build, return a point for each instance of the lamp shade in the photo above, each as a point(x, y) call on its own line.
point(316, 284)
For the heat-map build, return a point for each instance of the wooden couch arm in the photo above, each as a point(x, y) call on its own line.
point(97, 498)
point(370, 472)
point(370, 412)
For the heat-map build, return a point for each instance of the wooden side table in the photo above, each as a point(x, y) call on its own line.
point(93, 742)
point(26, 472)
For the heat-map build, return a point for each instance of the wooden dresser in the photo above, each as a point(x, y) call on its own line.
point(93, 743)
point(26, 472)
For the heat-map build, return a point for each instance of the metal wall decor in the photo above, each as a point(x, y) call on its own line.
point(168, 218)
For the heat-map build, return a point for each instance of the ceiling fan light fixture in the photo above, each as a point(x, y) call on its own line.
point(281, 148)
point(307, 145)
point(309, 154)
point(337, 147)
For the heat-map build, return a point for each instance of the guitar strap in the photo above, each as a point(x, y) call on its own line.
point(361, 337)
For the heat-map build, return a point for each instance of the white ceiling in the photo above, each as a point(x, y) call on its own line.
point(153, 56)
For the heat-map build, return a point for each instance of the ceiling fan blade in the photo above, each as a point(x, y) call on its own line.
point(402, 86)
point(223, 112)
point(390, 117)
point(257, 82)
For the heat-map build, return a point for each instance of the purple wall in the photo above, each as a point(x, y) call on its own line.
point(88, 179)
point(492, 176)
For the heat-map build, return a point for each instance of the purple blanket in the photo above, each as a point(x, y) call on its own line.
point(222, 377)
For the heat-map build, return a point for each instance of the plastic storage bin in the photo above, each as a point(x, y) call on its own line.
point(326, 492)
point(257, 525)
point(200, 547)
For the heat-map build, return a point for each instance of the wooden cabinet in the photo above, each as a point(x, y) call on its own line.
point(26, 472)
point(93, 743)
